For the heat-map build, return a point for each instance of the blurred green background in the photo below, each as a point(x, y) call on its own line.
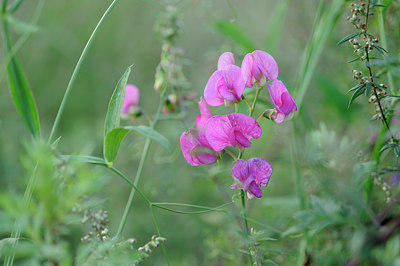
point(327, 134)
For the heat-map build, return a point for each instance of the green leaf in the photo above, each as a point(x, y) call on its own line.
point(114, 137)
point(357, 93)
point(348, 37)
point(233, 32)
point(114, 110)
point(356, 87)
point(353, 60)
point(19, 88)
point(381, 49)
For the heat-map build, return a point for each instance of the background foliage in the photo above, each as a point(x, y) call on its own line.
point(313, 208)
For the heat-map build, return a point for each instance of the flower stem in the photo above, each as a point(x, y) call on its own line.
point(253, 106)
point(231, 154)
point(140, 168)
point(76, 70)
point(246, 226)
point(247, 102)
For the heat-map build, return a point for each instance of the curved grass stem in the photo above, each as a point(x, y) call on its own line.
point(76, 70)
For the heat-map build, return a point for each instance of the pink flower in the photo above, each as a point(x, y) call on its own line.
point(131, 99)
point(225, 85)
point(231, 130)
point(259, 66)
point(282, 101)
point(195, 148)
point(251, 175)
point(194, 145)
point(225, 60)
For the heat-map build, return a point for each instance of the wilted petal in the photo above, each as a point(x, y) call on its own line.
point(205, 113)
point(131, 98)
point(225, 60)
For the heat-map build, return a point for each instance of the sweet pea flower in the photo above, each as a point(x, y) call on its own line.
point(194, 145)
point(131, 99)
point(283, 102)
point(225, 60)
point(259, 66)
point(231, 130)
point(225, 85)
point(251, 175)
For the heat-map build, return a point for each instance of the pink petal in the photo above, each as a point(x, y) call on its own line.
point(245, 124)
point(225, 60)
point(234, 81)
point(281, 99)
point(247, 70)
point(210, 92)
point(261, 169)
point(254, 190)
point(267, 64)
point(240, 170)
point(131, 98)
point(205, 113)
point(258, 64)
point(193, 150)
point(220, 132)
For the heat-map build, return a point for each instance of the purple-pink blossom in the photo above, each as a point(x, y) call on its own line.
point(251, 175)
point(131, 99)
point(225, 85)
point(231, 130)
point(194, 144)
point(225, 60)
point(259, 66)
point(282, 100)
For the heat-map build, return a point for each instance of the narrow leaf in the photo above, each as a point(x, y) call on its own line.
point(353, 60)
point(113, 140)
point(19, 88)
point(355, 95)
point(381, 49)
point(348, 37)
point(113, 116)
point(86, 159)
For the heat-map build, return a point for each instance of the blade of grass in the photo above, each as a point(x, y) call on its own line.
point(77, 68)
point(19, 88)
point(324, 23)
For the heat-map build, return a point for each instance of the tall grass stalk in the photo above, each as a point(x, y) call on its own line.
point(76, 70)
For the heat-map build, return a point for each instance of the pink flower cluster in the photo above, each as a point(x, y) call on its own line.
point(201, 145)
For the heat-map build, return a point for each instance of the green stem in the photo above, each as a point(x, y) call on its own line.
point(246, 225)
point(247, 102)
point(140, 168)
point(231, 154)
point(77, 68)
point(159, 234)
point(253, 106)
